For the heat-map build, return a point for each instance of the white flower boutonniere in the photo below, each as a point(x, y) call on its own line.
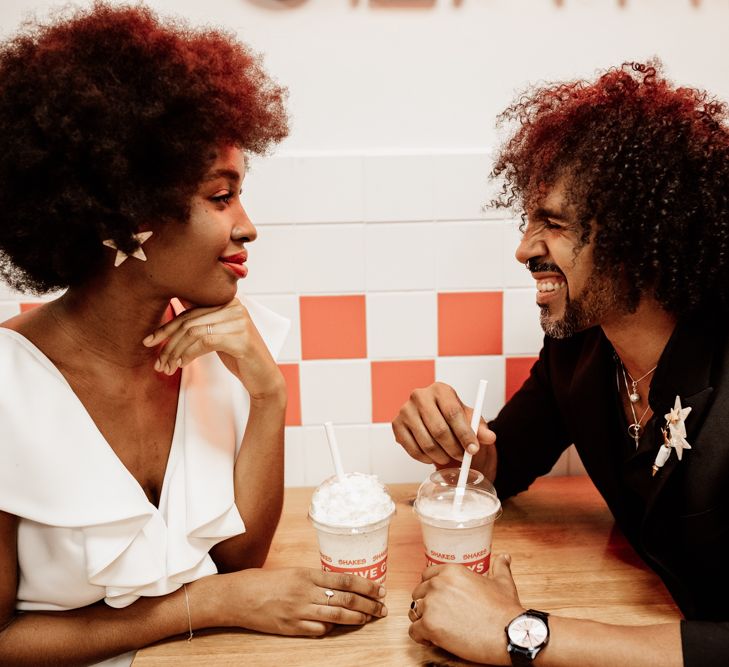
point(674, 435)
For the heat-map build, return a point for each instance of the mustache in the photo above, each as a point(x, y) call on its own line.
point(533, 265)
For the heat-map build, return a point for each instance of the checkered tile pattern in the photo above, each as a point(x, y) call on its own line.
point(393, 277)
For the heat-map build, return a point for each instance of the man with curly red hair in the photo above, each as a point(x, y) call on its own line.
point(624, 188)
point(141, 412)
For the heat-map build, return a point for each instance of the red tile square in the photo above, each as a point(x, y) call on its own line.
point(333, 327)
point(392, 383)
point(517, 370)
point(293, 407)
point(470, 323)
point(25, 307)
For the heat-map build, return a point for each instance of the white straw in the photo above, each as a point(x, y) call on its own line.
point(466, 463)
point(329, 428)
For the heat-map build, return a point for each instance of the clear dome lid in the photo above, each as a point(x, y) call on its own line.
point(436, 502)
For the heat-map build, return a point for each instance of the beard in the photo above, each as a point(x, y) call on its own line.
point(599, 300)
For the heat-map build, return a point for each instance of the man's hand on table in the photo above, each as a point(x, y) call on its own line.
point(466, 613)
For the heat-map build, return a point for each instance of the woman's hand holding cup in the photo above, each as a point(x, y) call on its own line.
point(299, 601)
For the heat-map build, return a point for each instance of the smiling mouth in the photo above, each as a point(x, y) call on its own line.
point(544, 286)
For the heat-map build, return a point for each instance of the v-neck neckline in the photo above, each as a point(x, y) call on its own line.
point(45, 361)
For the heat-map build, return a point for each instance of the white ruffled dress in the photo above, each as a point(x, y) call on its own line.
point(87, 531)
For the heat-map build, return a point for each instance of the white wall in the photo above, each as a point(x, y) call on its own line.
point(378, 189)
point(397, 75)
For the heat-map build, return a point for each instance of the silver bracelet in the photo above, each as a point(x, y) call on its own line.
point(187, 605)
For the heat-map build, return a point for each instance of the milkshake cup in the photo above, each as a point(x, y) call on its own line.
point(352, 520)
point(457, 534)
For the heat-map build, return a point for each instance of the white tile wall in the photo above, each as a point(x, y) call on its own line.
point(327, 189)
point(9, 294)
point(400, 256)
point(317, 460)
point(270, 258)
point(462, 187)
point(336, 391)
point(464, 373)
point(402, 325)
point(522, 332)
point(399, 188)
point(353, 443)
point(470, 255)
point(305, 188)
point(8, 309)
point(369, 449)
point(268, 195)
point(390, 462)
point(294, 457)
point(328, 258)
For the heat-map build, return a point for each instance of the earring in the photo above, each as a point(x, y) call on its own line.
point(121, 256)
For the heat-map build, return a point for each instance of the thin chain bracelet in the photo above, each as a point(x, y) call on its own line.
point(187, 605)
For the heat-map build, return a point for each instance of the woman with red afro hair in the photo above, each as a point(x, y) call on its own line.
point(141, 412)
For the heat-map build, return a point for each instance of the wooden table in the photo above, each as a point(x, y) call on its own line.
point(567, 560)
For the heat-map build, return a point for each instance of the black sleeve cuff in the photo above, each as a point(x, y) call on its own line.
point(705, 643)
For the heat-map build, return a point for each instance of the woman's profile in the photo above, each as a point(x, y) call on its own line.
point(142, 411)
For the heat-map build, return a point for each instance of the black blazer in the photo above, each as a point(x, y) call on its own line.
point(681, 528)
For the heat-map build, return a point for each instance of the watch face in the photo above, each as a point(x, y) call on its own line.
point(527, 632)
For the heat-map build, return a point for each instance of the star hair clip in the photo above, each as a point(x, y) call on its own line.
point(121, 256)
point(674, 435)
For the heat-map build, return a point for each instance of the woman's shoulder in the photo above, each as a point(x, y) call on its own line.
point(27, 327)
point(20, 344)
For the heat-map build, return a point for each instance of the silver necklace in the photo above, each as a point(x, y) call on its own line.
point(635, 429)
point(633, 394)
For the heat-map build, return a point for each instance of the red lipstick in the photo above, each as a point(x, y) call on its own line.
point(236, 263)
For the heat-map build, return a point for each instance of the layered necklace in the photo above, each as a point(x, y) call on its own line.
point(635, 430)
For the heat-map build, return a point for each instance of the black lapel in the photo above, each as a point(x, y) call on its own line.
point(592, 401)
point(684, 370)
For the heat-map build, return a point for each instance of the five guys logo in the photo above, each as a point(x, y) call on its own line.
point(480, 566)
point(375, 571)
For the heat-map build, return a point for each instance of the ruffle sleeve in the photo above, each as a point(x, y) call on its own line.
point(87, 529)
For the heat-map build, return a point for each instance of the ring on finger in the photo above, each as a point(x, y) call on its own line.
point(330, 594)
point(414, 608)
point(210, 329)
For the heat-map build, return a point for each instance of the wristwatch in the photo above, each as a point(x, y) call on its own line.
point(526, 635)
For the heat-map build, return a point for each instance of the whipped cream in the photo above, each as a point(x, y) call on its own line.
point(357, 500)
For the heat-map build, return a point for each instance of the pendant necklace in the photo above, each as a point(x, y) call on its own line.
point(633, 394)
point(635, 429)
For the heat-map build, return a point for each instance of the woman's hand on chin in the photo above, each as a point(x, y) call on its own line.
point(299, 601)
point(229, 331)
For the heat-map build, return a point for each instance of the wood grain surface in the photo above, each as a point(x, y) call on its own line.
point(567, 559)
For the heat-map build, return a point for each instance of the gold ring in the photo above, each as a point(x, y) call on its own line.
point(330, 594)
point(414, 607)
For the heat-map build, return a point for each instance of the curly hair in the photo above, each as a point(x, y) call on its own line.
point(110, 119)
point(648, 163)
